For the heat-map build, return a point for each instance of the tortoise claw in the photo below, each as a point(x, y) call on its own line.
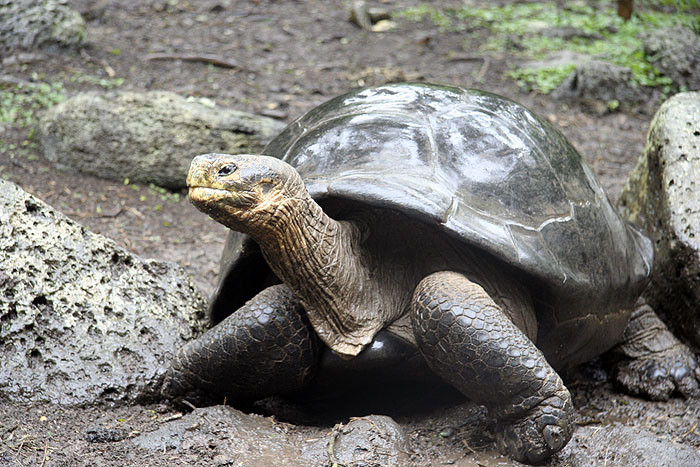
point(659, 375)
point(541, 432)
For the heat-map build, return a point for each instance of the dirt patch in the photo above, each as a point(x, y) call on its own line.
point(289, 57)
point(440, 428)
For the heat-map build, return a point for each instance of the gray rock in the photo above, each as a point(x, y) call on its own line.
point(594, 446)
point(147, 137)
point(231, 437)
point(362, 15)
point(601, 81)
point(663, 196)
point(675, 52)
point(234, 438)
point(375, 440)
point(31, 24)
point(81, 319)
point(359, 14)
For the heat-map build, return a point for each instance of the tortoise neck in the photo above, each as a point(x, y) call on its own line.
point(319, 259)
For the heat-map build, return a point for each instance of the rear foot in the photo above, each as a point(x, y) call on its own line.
point(660, 375)
point(652, 362)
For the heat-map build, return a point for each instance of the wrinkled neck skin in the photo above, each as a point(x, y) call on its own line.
point(319, 259)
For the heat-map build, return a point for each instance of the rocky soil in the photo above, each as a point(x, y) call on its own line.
point(283, 58)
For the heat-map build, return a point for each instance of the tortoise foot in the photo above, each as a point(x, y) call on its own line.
point(541, 432)
point(659, 375)
point(651, 362)
point(265, 347)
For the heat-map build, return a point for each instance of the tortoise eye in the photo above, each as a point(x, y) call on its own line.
point(227, 170)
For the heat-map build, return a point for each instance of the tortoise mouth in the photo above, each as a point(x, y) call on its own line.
point(207, 195)
point(204, 190)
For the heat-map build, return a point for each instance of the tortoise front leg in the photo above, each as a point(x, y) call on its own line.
point(473, 345)
point(265, 347)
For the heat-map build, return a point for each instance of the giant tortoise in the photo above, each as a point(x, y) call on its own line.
point(454, 221)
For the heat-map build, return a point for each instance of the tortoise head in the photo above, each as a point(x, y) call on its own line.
point(243, 192)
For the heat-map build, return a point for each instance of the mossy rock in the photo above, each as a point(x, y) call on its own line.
point(147, 137)
point(675, 52)
point(32, 24)
point(663, 196)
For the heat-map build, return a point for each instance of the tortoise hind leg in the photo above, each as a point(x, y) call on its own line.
point(265, 347)
point(473, 345)
point(651, 361)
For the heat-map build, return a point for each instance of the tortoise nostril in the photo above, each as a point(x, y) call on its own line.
point(227, 170)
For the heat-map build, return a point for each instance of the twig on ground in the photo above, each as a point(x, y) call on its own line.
point(465, 58)
point(189, 404)
point(113, 213)
point(484, 69)
point(102, 62)
point(331, 447)
point(205, 58)
point(134, 211)
point(172, 417)
point(692, 430)
point(46, 453)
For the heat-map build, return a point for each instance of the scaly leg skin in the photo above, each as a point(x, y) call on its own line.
point(471, 343)
point(266, 347)
point(651, 361)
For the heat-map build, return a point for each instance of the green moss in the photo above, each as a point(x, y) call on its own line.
point(544, 79)
point(690, 6)
point(517, 28)
point(106, 83)
point(440, 18)
point(164, 194)
point(20, 102)
point(613, 105)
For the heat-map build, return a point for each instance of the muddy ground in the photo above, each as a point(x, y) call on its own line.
point(293, 55)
